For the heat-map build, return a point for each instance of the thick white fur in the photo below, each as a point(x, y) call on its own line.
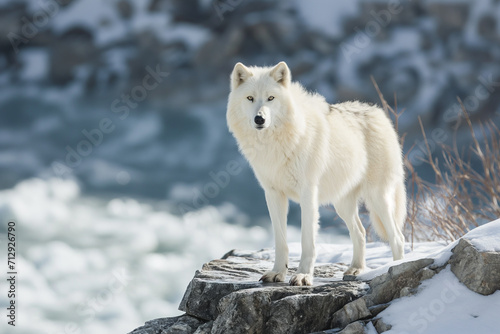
point(315, 153)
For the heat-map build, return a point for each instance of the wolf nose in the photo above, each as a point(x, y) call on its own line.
point(259, 120)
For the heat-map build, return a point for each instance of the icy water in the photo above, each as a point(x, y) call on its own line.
point(98, 265)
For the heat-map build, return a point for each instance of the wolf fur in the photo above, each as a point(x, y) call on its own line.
point(303, 149)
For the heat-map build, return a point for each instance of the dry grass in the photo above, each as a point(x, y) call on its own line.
point(466, 189)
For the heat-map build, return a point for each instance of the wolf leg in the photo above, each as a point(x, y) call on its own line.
point(347, 209)
point(309, 226)
point(277, 204)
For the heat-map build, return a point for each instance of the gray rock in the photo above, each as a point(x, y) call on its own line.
point(427, 273)
point(328, 331)
point(74, 48)
point(228, 292)
point(381, 326)
point(351, 312)
point(406, 291)
point(479, 271)
point(206, 328)
point(357, 327)
point(388, 286)
point(401, 280)
point(284, 309)
point(218, 279)
point(185, 325)
point(451, 16)
point(349, 277)
point(177, 325)
point(377, 309)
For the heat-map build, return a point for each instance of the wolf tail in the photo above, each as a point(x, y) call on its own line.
point(398, 213)
point(400, 206)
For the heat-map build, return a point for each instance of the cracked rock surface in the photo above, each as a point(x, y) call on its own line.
point(225, 296)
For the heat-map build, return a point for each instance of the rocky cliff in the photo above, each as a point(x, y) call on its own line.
point(225, 296)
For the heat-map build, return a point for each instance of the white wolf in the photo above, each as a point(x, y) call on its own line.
point(304, 149)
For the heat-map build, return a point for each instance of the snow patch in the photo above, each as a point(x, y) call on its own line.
point(327, 16)
point(35, 64)
point(486, 238)
point(443, 305)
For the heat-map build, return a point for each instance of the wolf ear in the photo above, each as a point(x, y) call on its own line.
point(239, 75)
point(281, 73)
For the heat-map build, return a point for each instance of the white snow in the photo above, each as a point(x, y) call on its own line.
point(191, 34)
point(327, 16)
point(36, 64)
point(378, 255)
point(444, 305)
point(486, 238)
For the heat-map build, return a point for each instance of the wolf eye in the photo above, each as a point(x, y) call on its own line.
point(250, 98)
point(270, 98)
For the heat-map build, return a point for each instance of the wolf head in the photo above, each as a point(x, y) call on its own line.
point(259, 98)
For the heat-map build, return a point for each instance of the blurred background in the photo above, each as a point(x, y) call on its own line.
point(115, 159)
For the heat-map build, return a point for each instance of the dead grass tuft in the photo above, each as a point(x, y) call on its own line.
point(466, 188)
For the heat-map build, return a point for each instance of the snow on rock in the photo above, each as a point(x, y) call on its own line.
point(486, 238)
point(444, 305)
point(479, 271)
point(327, 16)
point(97, 16)
point(447, 303)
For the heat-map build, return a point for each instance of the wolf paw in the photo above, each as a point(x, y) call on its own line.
point(353, 271)
point(301, 279)
point(272, 277)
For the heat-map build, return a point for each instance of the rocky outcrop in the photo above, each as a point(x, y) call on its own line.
point(184, 324)
point(227, 297)
point(229, 293)
point(217, 279)
point(479, 271)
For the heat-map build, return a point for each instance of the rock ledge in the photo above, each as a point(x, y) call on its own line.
point(225, 296)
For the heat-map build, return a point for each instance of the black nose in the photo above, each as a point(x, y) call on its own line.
point(259, 120)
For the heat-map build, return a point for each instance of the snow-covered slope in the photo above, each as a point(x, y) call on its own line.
point(444, 305)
